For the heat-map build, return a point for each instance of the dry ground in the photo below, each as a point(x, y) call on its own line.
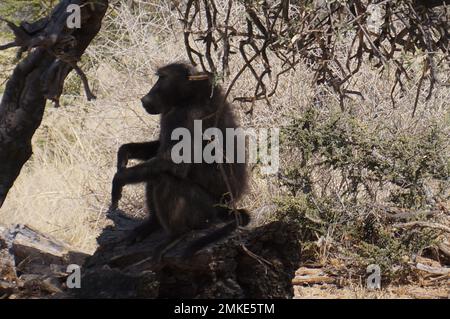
point(359, 292)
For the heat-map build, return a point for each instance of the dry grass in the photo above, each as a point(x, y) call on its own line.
point(64, 189)
point(360, 292)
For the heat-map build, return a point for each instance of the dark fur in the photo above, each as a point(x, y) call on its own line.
point(184, 196)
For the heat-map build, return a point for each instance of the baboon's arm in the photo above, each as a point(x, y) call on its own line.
point(145, 172)
point(140, 151)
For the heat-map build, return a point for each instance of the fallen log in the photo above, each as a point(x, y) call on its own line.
point(311, 276)
point(422, 224)
point(33, 264)
point(252, 263)
point(433, 270)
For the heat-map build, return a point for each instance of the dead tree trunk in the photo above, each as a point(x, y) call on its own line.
point(252, 263)
point(54, 50)
point(255, 262)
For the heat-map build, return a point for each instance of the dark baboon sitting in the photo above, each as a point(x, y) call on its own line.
point(191, 194)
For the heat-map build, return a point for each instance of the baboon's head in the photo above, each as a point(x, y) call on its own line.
point(178, 85)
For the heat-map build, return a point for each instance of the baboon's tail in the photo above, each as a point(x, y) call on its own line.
point(241, 219)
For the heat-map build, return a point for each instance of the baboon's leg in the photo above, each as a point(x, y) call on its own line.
point(140, 151)
point(180, 206)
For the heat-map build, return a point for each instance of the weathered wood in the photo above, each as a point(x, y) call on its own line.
point(312, 280)
point(441, 227)
point(33, 264)
point(433, 270)
point(445, 249)
point(311, 276)
point(38, 77)
point(252, 263)
point(7, 264)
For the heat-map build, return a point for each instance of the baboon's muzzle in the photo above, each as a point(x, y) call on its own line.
point(150, 105)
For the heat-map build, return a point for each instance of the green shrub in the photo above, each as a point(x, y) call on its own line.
point(343, 173)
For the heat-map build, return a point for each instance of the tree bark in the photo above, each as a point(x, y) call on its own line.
point(38, 77)
point(257, 263)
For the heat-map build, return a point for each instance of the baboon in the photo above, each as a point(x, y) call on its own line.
point(183, 196)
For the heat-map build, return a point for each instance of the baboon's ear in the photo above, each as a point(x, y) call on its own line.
point(198, 77)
